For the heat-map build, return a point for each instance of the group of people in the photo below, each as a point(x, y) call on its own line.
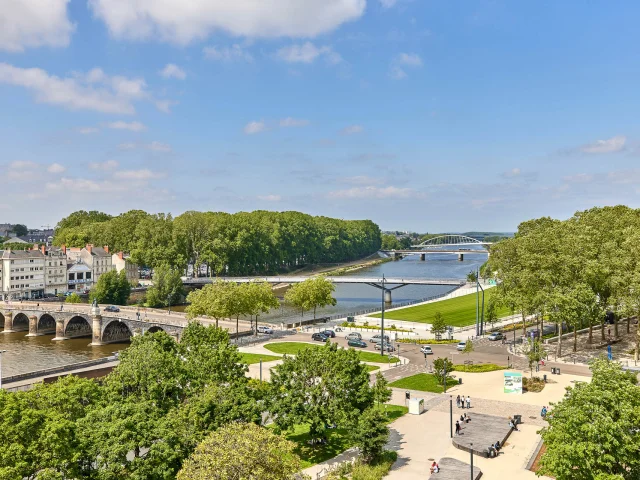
point(460, 401)
point(494, 449)
point(434, 467)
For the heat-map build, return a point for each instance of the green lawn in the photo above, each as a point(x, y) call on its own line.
point(292, 348)
point(479, 368)
point(424, 382)
point(338, 440)
point(251, 358)
point(457, 312)
point(371, 368)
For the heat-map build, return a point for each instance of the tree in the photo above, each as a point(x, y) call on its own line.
point(20, 230)
point(468, 348)
point(242, 451)
point(491, 314)
point(442, 369)
point(371, 434)
point(73, 298)
point(112, 287)
point(261, 299)
point(167, 287)
point(310, 294)
point(390, 242)
point(213, 300)
point(593, 430)
point(381, 391)
point(319, 386)
point(534, 351)
point(472, 276)
point(439, 325)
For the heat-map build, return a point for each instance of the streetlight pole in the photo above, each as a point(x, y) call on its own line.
point(471, 451)
point(1, 352)
point(382, 321)
point(451, 415)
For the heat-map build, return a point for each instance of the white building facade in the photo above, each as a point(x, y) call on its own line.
point(23, 274)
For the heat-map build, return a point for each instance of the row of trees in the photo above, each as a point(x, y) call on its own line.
point(573, 271)
point(244, 243)
point(167, 400)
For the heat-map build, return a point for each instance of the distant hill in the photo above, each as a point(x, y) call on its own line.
point(488, 236)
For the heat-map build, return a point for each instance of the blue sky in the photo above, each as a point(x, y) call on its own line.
point(418, 114)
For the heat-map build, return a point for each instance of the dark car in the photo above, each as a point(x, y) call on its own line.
point(319, 337)
point(111, 308)
point(329, 333)
point(357, 343)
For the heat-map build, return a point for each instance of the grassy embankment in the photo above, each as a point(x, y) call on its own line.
point(457, 311)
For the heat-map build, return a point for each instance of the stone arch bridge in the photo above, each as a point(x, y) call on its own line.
point(102, 329)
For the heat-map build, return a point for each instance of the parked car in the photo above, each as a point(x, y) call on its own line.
point(387, 347)
point(111, 308)
point(354, 336)
point(461, 346)
point(319, 337)
point(356, 342)
point(496, 336)
point(378, 337)
point(426, 350)
point(264, 329)
point(329, 333)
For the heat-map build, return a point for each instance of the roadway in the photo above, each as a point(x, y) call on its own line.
point(338, 279)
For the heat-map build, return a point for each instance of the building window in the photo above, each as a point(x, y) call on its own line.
point(88, 275)
point(80, 276)
point(72, 276)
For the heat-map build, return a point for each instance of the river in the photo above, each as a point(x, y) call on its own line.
point(24, 354)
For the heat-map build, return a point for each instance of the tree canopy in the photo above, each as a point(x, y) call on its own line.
point(167, 288)
point(311, 294)
point(112, 287)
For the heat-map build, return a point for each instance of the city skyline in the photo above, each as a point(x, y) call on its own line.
point(420, 116)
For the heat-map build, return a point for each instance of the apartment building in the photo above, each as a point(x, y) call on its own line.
point(23, 274)
point(122, 261)
point(98, 259)
point(55, 270)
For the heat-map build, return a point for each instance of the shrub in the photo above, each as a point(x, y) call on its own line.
point(358, 470)
point(487, 367)
point(427, 341)
point(535, 384)
point(73, 298)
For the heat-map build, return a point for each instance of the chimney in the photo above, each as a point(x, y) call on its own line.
point(63, 247)
point(36, 247)
point(106, 248)
point(89, 247)
point(121, 255)
point(43, 249)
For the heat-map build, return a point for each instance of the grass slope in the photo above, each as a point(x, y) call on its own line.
point(457, 312)
point(251, 358)
point(423, 382)
point(292, 348)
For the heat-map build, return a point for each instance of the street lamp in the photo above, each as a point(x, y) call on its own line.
point(1, 352)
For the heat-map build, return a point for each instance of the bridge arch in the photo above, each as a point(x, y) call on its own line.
point(155, 329)
point(116, 331)
point(77, 326)
point(21, 322)
point(1, 319)
point(46, 324)
point(450, 240)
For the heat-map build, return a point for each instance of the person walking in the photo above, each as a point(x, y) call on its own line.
point(457, 427)
point(458, 401)
point(468, 401)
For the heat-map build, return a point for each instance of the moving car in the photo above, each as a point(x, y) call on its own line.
point(354, 336)
point(319, 337)
point(356, 342)
point(387, 347)
point(111, 308)
point(377, 338)
point(264, 329)
point(496, 336)
point(329, 333)
point(426, 350)
point(461, 346)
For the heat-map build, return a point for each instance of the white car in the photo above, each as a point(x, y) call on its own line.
point(461, 346)
point(426, 350)
point(264, 329)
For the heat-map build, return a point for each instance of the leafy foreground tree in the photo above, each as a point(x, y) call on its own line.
point(73, 298)
point(442, 369)
point(242, 451)
point(167, 287)
point(381, 391)
point(311, 294)
point(320, 386)
point(439, 325)
point(112, 287)
point(371, 434)
point(593, 432)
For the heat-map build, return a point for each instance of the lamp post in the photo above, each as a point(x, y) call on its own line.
point(471, 451)
point(382, 321)
point(1, 352)
point(451, 415)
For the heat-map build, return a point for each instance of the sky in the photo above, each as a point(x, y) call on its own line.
point(422, 115)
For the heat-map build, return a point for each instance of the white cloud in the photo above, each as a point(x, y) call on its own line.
point(181, 21)
point(254, 127)
point(409, 59)
point(352, 129)
point(371, 191)
point(388, 3)
point(143, 174)
point(361, 180)
point(615, 144)
point(397, 73)
point(131, 126)
point(28, 23)
point(579, 178)
point(514, 172)
point(91, 91)
point(22, 165)
point(307, 53)
point(88, 130)
point(227, 54)
point(159, 147)
point(293, 122)
point(173, 71)
point(104, 166)
point(55, 168)
point(270, 198)
point(85, 186)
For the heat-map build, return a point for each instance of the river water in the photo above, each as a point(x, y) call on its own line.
point(25, 354)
